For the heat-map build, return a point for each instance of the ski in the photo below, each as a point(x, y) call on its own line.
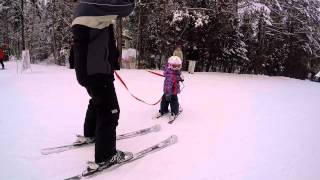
point(159, 146)
point(174, 118)
point(58, 149)
point(159, 116)
point(171, 120)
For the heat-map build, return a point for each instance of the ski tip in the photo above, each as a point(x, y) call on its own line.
point(157, 128)
point(74, 178)
point(44, 153)
point(174, 138)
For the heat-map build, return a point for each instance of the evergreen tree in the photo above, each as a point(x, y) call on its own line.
point(277, 37)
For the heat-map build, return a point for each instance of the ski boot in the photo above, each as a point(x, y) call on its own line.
point(118, 158)
point(83, 140)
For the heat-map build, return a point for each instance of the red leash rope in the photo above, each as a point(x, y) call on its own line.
point(155, 73)
point(124, 84)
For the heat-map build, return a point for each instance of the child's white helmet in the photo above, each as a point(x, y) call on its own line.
point(174, 63)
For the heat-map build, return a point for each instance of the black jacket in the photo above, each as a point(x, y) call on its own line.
point(120, 8)
point(193, 54)
point(95, 54)
point(95, 51)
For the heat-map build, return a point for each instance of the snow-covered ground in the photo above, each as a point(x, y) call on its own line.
point(233, 127)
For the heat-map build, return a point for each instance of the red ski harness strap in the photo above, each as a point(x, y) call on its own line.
point(155, 73)
point(124, 84)
point(174, 82)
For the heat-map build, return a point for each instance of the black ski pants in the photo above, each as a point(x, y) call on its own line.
point(171, 100)
point(102, 119)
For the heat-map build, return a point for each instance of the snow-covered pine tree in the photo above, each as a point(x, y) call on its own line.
point(277, 37)
point(59, 13)
point(226, 49)
point(302, 22)
point(158, 27)
point(10, 25)
point(150, 28)
point(285, 34)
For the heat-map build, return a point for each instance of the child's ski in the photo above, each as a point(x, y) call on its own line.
point(161, 145)
point(159, 115)
point(47, 151)
point(173, 118)
point(168, 113)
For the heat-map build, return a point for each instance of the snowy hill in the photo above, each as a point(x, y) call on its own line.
point(233, 127)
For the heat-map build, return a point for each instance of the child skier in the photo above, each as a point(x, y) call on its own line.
point(171, 88)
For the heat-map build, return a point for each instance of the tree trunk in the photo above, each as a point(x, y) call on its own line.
point(8, 41)
point(22, 26)
point(54, 33)
point(138, 45)
point(261, 40)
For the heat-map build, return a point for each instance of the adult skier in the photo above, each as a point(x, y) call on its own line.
point(96, 58)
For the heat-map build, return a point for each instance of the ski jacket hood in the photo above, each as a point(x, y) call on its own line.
point(100, 13)
point(95, 49)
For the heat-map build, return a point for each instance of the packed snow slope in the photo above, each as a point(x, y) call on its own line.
point(233, 127)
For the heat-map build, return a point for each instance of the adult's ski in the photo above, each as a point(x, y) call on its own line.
point(159, 146)
point(58, 149)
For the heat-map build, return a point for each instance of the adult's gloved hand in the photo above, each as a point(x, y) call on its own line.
point(168, 97)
